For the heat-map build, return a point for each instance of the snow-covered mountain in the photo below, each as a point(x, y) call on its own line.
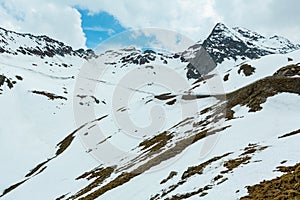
point(240, 43)
point(42, 46)
point(76, 125)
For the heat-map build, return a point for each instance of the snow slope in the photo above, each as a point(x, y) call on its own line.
point(131, 124)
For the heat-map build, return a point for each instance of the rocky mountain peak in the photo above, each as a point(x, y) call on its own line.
point(41, 46)
point(234, 43)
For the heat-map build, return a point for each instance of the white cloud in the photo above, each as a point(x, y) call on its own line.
point(196, 18)
point(192, 18)
point(42, 17)
point(269, 17)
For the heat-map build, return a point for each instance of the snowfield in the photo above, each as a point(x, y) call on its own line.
point(129, 124)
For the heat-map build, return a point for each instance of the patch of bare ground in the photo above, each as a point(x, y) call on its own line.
point(243, 158)
point(37, 168)
point(171, 175)
point(193, 97)
point(51, 96)
point(252, 148)
point(226, 77)
point(255, 94)
point(171, 102)
point(290, 134)
point(247, 69)
point(288, 71)
point(120, 180)
point(65, 143)
point(234, 163)
point(11, 188)
point(284, 187)
point(191, 171)
point(98, 174)
point(201, 191)
point(165, 96)
point(157, 142)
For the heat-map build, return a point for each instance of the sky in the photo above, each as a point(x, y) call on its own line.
point(87, 23)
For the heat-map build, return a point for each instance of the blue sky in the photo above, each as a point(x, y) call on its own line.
point(103, 31)
point(99, 27)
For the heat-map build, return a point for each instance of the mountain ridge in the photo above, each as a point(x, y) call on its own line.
point(42, 45)
point(244, 44)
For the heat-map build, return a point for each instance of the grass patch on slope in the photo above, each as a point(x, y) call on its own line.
point(284, 187)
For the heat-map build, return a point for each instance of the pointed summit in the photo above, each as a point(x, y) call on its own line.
point(220, 27)
point(240, 43)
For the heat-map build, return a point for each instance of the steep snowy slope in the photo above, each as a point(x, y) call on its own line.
point(133, 124)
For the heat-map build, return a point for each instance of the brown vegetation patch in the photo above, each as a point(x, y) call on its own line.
point(234, 163)
point(252, 148)
point(51, 96)
point(120, 180)
point(39, 166)
point(171, 102)
point(191, 171)
point(165, 96)
point(286, 169)
point(157, 142)
point(243, 158)
point(288, 71)
point(171, 175)
point(187, 195)
point(11, 188)
point(248, 70)
point(218, 177)
point(194, 96)
point(284, 187)
point(64, 144)
point(99, 174)
point(257, 93)
point(290, 134)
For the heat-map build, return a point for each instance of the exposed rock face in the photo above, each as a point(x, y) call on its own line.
point(41, 46)
point(226, 43)
point(232, 43)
